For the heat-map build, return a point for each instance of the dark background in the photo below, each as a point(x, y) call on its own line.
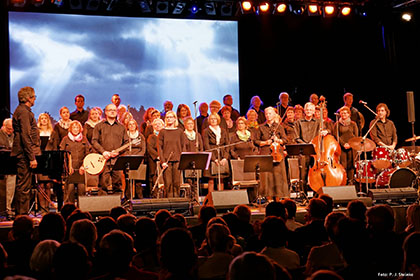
point(375, 57)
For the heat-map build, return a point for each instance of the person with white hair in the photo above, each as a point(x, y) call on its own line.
point(6, 142)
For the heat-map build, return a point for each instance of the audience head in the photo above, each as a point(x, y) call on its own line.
point(325, 275)
point(117, 211)
point(84, 232)
point(276, 209)
point(331, 222)
point(172, 222)
point(177, 252)
point(317, 209)
point(23, 227)
point(146, 234)
point(380, 218)
point(413, 217)
point(67, 209)
point(274, 232)
point(356, 209)
point(116, 250)
point(250, 266)
point(329, 201)
point(219, 238)
point(206, 213)
point(52, 226)
point(3, 258)
point(411, 254)
point(127, 223)
point(42, 258)
point(232, 221)
point(74, 254)
point(243, 212)
point(290, 206)
point(75, 216)
point(160, 218)
point(104, 226)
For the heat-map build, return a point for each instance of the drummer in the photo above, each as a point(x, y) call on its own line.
point(344, 130)
point(384, 132)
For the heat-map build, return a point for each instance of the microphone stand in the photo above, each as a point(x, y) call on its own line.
point(197, 198)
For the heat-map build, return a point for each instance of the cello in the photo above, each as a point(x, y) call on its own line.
point(327, 170)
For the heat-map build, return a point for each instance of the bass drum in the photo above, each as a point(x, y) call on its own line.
point(396, 178)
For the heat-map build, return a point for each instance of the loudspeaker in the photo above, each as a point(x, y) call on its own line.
point(226, 199)
point(410, 107)
point(100, 203)
point(345, 194)
point(152, 205)
point(394, 194)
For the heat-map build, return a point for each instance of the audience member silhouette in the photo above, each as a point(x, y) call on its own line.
point(67, 209)
point(127, 223)
point(146, 245)
point(42, 259)
point(217, 264)
point(117, 211)
point(3, 262)
point(160, 218)
point(52, 226)
point(71, 262)
point(103, 226)
point(356, 209)
point(290, 206)
point(84, 232)
point(325, 275)
point(413, 218)
point(251, 266)
point(326, 256)
point(274, 235)
point(329, 201)
point(19, 249)
point(177, 255)
point(199, 231)
point(75, 216)
point(411, 265)
point(277, 209)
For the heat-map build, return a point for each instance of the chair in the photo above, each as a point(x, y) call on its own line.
point(241, 178)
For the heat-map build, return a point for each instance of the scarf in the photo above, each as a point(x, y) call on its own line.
point(190, 135)
point(64, 124)
point(218, 131)
point(243, 136)
point(133, 135)
point(253, 124)
point(76, 138)
point(155, 132)
point(92, 123)
point(346, 122)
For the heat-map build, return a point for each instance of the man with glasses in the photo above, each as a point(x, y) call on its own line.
point(26, 145)
point(108, 136)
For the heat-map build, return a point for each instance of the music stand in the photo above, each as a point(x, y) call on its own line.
point(195, 161)
point(301, 150)
point(127, 163)
point(257, 164)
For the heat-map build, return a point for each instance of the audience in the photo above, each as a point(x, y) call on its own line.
point(356, 209)
point(52, 226)
point(42, 259)
point(251, 266)
point(74, 254)
point(84, 232)
point(199, 231)
point(146, 245)
point(411, 264)
point(290, 206)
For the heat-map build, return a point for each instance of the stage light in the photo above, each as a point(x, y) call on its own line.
point(145, 6)
point(76, 4)
point(313, 10)
point(345, 11)
point(246, 7)
point(297, 9)
point(226, 9)
point(37, 3)
point(58, 3)
point(162, 7)
point(210, 8)
point(329, 9)
point(18, 3)
point(179, 8)
point(264, 7)
point(93, 5)
point(280, 8)
point(194, 8)
point(406, 16)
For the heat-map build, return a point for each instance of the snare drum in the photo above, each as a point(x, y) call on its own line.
point(396, 178)
point(382, 157)
point(365, 171)
point(402, 158)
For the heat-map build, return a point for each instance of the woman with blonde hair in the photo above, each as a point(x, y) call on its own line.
point(45, 129)
point(95, 117)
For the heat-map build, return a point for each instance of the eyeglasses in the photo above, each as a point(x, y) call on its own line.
point(111, 110)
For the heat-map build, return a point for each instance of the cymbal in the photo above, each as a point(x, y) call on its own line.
point(356, 144)
point(412, 139)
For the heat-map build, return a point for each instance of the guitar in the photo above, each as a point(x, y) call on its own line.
point(94, 163)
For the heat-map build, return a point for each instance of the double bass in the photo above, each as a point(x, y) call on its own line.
point(327, 170)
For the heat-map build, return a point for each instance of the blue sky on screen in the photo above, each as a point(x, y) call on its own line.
point(146, 61)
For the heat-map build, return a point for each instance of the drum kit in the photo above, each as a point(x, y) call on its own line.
point(387, 168)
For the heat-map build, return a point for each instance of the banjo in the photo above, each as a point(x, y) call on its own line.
point(94, 163)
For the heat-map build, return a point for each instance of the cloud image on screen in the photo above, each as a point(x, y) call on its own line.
point(145, 61)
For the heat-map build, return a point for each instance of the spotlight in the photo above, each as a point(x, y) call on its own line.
point(406, 17)
point(281, 8)
point(345, 11)
point(264, 7)
point(162, 7)
point(194, 8)
point(313, 10)
point(297, 9)
point(361, 11)
point(37, 3)
point(145, 6)
point(58, 3)
point(226, 9)
point(246, 7)
point(329, 10)
point(76, 4)
point(210, 8)
point(179, 8)
point(18, 3)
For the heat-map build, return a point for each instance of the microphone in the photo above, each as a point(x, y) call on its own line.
point(362, 102)
point(337, 114)
point(195, 102)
